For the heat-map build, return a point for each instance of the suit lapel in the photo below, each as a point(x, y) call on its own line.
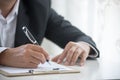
point(33, 18)
point(22, 20)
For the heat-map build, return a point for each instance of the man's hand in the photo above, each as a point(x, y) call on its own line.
point(26, 56)
point(72, 52)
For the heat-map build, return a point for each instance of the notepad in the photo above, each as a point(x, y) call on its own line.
point(46, 68)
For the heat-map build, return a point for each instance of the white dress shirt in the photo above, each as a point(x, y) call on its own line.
point(8, 28)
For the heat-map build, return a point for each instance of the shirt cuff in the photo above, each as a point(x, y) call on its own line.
point(95, 55)
point(2, 49)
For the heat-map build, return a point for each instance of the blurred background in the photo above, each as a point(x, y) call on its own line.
point(100, 19)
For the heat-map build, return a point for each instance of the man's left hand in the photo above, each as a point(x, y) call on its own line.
point(72, 52)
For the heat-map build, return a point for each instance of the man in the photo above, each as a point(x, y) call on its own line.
point(42, 21)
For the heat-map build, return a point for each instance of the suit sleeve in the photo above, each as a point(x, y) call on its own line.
point(61, 31)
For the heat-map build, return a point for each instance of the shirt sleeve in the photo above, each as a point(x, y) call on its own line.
point(2, 49)
point(93, 53)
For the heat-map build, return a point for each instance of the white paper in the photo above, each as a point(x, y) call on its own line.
point(41, 67)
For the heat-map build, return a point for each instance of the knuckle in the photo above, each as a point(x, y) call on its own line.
point(25, 55)
point(71, 42)
point(68, 58)
point(27, 46)
point(25, 51)
point(77, 52)
point(77, 45)
point(41, 55)
point(71, 51)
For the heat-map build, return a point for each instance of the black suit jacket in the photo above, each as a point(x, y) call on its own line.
point(43, 21)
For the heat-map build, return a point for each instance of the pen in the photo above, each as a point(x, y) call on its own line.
point(31, 37)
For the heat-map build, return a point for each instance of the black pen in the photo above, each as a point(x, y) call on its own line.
point(31, 37)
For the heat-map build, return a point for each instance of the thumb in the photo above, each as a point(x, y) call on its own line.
point(55, 59)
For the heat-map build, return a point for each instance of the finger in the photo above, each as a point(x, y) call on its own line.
point(55, 58)
point(76, 55)
point(61, 58)
point(45, 53)
point(38, 49)
point(70, 54)
point(38, 56)
point(63, 55)
point(84, 56)
point(35, 61)
point(31, 65)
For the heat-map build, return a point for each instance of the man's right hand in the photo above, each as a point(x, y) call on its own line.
point(25, 56)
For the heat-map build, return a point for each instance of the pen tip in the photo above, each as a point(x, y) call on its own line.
point(47, 60)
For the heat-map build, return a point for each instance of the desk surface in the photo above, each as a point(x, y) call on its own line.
point(93, 70)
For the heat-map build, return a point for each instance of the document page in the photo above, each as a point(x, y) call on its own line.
point(41, 67)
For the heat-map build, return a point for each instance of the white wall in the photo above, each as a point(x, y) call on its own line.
point(111, 32)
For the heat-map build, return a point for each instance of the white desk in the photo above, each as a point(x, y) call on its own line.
point(93, 70)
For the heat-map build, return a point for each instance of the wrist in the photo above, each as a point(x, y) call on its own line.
point(85, 46)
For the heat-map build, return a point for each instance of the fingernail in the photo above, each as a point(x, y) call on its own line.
point(48, 58)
